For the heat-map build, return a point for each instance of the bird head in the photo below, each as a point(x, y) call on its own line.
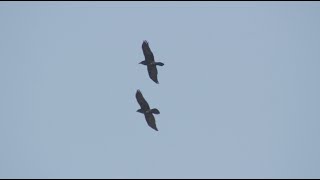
point(140, 111)
point(143, 62)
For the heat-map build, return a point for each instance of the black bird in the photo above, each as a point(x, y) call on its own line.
point(145, 109)
point(149, 62)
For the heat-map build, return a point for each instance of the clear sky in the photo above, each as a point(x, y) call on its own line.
point(238, 94)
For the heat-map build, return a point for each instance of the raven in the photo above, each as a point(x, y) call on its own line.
point(149, 62)
point(145, 109)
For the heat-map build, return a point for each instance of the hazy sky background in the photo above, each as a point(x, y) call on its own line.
point(238, 95)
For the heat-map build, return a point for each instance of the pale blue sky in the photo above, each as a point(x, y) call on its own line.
point(238, 95)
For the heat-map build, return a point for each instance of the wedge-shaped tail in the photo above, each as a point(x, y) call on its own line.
point(159, 63)
point(155, 111)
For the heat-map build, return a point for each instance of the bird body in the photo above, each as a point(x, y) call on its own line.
point(145, 109)
point(150, 62)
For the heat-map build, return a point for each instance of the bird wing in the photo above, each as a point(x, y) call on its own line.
point(142, 102)
point(153, 73)
point(151, 121)
point(147, 52)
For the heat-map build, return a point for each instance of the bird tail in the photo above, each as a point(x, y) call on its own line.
point(155, 111)
point(159, 63)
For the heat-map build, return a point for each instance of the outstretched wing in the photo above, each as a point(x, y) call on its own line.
point(153, 73)
point(147, 52)
point(151, 121)
point(142, 102)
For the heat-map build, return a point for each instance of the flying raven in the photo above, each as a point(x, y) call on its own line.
point(149, 62)
point(145, 109)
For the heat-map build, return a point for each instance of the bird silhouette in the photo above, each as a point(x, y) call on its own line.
point(145, 109)
point(150, 62)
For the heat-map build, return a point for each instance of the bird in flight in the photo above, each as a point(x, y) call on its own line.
point(150, 62)
point(145, 109)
